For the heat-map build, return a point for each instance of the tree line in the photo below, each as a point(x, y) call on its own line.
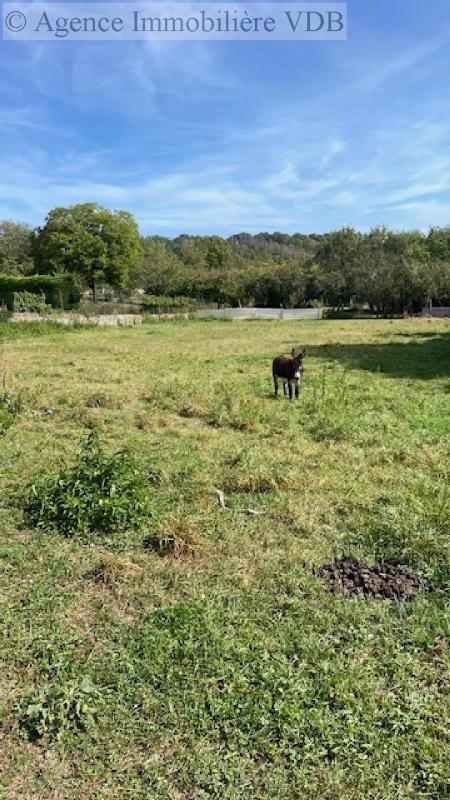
point(390, 272)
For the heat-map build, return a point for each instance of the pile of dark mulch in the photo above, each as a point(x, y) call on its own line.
point(382, 581)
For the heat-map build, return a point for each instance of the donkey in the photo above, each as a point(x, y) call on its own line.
point(289, 370)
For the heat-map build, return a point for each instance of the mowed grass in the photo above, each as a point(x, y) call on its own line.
point(225, 669)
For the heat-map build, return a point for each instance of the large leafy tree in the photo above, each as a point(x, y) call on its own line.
point(211, 252)
point(160, 269)
point(191, 250)
point(284, 283)
point(438, 245)
point(99, 245)
point(218, 252)
point(338, 258)
point(394, 274)
point(15, 248)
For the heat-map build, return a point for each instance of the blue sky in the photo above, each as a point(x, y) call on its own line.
point(223, 137)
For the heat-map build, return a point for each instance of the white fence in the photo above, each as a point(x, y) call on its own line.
point(437, 311)
point(261, 313)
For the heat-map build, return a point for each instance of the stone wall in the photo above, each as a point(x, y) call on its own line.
point(68, 318)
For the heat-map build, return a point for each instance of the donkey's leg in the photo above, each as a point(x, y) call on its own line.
point(275, 383)
point(284, 388)
point(297, 387)
point(290, 390)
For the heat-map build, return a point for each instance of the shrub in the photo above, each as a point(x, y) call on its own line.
point(60, 291)
point(13, 403)
point(10, 406)
point(100, 494)
point(6, 420)
point(55, 709)
point(27, 301)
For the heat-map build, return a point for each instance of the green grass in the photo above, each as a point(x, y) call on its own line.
point(223, 668)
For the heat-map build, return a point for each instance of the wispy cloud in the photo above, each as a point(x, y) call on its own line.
point(196, 195)
point(20, 118)
point(372, 75)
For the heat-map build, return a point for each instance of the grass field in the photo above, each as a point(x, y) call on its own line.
point(229, 671)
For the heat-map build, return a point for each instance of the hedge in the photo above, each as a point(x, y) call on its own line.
point(59, 290)
point(161, 304)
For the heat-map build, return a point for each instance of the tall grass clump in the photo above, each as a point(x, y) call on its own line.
point(6, 420)
point(10, 406)
point(100, 494)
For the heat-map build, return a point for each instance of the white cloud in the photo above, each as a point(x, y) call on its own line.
point(379, 180)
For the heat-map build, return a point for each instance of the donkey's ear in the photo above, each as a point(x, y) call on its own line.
point(303, 353)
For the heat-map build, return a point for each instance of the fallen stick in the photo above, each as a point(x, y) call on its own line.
point(221, 498)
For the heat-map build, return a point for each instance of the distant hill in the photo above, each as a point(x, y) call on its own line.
point(283, 245)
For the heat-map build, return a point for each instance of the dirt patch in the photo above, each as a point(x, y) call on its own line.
point(381, 581)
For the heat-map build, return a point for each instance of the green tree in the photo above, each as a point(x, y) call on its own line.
point(211, 252)
point(338, 258)
point(218, 252)
point(222, 286)
point(99, 245)
point(158, 271)
point(438, 244)
point(414, 279)
point(191, 250)
point(15, 248)
point(394, 277)
point(279, 284)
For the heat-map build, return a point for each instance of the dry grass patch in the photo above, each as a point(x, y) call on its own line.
point(105, 400)
point(81, 616)
point(96, 605)
point(34, 772)
point(192, 412)
point(143, 422)
point(112, 569)
point(177, 537)
point(261, 479)
point(146, 422)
